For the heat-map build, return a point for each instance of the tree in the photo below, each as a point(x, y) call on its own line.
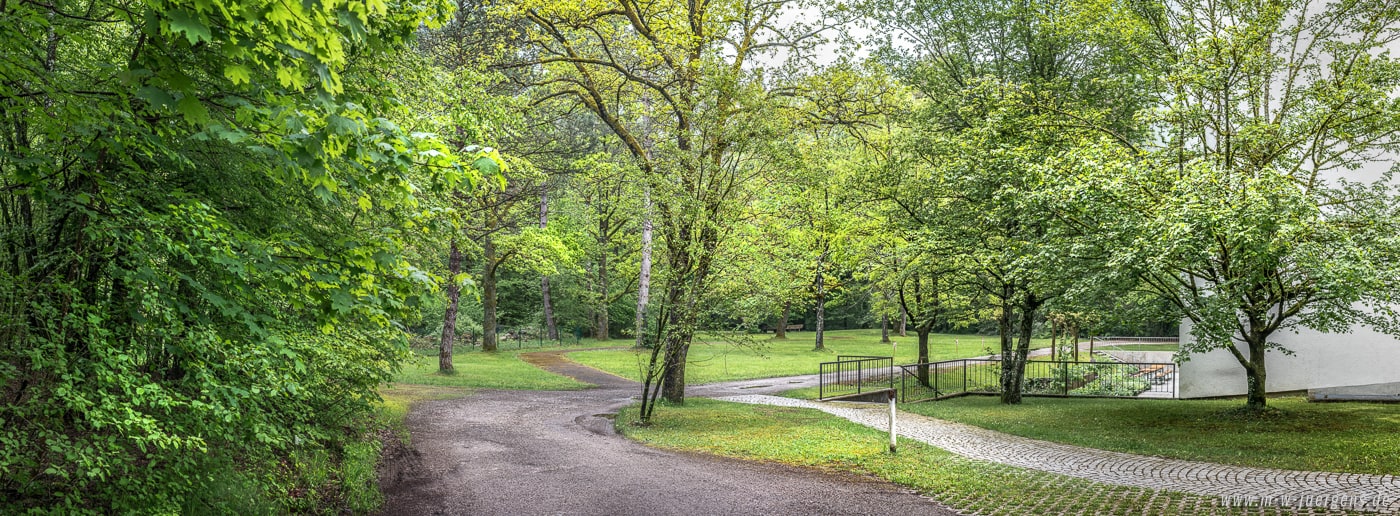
point(709, 117)
point(551, 330)
point(594, 201)
point(896, 253)
point(501, 221)
point(205, 211)
point(452, 99)
point(1007, 88)
point(1252, 211)
point(606, 192)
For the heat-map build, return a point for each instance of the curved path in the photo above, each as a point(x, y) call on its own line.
point(1378, 493)
point(538, 452)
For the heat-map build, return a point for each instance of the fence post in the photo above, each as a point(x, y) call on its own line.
point(964, 375)
point(1065, 366)
point(903, 388)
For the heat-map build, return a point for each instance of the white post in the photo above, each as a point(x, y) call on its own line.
point(893, 432)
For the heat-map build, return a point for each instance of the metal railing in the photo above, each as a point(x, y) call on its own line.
point(1136, 340)
point(940, 380)
point(850, 375)
point(523, 337)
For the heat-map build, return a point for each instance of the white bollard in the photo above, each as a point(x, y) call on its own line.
point(893, 432)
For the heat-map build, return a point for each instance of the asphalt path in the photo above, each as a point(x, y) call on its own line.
point(555, 452)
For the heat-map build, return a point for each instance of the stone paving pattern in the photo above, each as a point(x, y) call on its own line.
point(1301, 489)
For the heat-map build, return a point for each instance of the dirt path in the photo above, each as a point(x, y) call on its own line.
point(553, 452)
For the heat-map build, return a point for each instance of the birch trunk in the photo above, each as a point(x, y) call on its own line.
point(644, 276)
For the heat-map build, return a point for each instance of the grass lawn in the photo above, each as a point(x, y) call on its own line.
point(806, 437)
point(500, 370)
point(713, 359)
point(1343, 437)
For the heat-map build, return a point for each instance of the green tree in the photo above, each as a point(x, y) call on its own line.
point(1006, 88)
point(1253, 211)
point(693, 91)
point(204, 215)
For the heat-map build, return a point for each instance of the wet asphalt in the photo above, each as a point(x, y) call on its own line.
point(555, 452)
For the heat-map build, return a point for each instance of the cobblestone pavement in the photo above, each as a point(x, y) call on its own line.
point(1237, 484)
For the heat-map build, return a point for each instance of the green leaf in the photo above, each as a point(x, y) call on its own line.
point(237, 73)
point(194, 29)
point(156, 97)
point(487, 166)
point(193, 110)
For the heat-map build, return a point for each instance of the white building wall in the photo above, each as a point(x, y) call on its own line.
point(1320, 360)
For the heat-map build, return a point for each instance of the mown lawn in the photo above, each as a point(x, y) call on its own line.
point(806, 437)
point(1343, 437)
point(477, 369)
point(715, 359)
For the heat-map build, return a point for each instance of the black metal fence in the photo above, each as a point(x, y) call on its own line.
point(939, 380)
point(850, 375)
point(524, 337)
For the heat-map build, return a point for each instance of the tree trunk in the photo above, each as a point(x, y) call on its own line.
point(1014, 372)
point(488, 295)
point(644, 273)
point(551, 330)
point(885, 329)
point(903, 321)
point(1053, 333)
point(449, 316)
point(601, 332)
point(679, 330)
point(1256, 375)
point(821, 306)
point(1010, 384)
point(780, 332)
point(1074, 329)
point(923, 330)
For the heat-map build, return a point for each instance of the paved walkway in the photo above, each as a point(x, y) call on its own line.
point(554, 453)
point(1375, 493)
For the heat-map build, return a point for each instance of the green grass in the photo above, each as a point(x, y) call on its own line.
point(1343, 437)
point(477, 369)
point(805, 437)
point(713, 359)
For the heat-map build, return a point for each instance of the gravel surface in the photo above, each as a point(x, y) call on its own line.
point(540, 452)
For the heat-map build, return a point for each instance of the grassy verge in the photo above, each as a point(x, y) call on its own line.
point(716, 359)
point(476, 369)
point(399, 398)
point(1342, 437)
point(348, 481)
point(805, 437)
